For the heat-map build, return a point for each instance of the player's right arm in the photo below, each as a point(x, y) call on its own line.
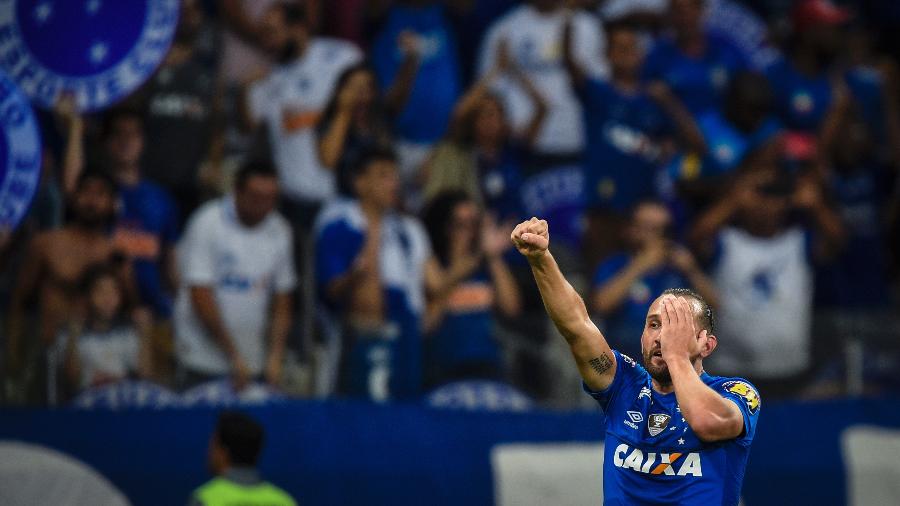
point(566, 308)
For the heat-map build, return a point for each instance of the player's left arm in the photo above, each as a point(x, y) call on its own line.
point(711, 416)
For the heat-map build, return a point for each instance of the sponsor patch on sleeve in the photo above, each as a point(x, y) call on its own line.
point(745, 391)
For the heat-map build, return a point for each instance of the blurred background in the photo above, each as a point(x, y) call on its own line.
point(302, 210)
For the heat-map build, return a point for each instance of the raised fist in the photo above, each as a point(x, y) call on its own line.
point(531, 238)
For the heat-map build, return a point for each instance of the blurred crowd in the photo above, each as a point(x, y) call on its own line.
point(317, 196)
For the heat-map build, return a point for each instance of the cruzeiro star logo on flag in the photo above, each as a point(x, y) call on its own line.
point(99, 50)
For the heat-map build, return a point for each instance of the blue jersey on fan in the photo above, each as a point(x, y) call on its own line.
point(652, 456)
point(623, 148)
point(801, 101)
point(437, 83)
point(699, 81)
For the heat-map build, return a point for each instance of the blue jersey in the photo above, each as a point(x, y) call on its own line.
point(623, 148)
point(341, 229)
point(698, 81)
point(801, 101)
point(652, 456)
point(146, 228)
point(437, 82)
point(727, 147)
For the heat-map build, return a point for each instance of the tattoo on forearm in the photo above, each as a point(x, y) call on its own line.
point(600, 364)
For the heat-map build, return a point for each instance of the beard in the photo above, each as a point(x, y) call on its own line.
point(660, 373)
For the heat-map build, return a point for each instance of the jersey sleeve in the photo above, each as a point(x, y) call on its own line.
point(627, 375)
point(336, 248)
point(747, 399)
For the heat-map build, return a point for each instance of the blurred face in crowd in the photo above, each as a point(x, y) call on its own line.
point(625, 53)
point(363, 84)
point(766, 213)
point(826, 40)
point(546, 5)
point(464, 225)
point(94, 203)
point(650, 348)
point(280, 38)
point(379, 184)
point(649, 223)
point(256, 198)
point(489, 122)
point(686, 16)
point(748, 101)
point(105, 298)
point(125, 141)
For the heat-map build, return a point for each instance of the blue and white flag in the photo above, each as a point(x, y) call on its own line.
point(20, 154)
point(98, 50)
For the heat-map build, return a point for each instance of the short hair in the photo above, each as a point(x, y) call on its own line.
point(254, 168)
point(97, 175)
point(347, 173)
point(241, 436)
point(618, 25)
point(294, 13)
point(115, 114)
point(707, 317)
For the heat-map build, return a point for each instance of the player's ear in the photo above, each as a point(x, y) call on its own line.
point(708, 343)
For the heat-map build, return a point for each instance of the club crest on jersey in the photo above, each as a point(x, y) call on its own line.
point(745, 391)
point(20, 154)
point(98, 50)
point(657, 423)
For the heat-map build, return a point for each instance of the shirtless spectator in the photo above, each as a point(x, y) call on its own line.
point(48, 282)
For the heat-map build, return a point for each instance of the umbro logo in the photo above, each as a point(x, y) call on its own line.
point(635, 416)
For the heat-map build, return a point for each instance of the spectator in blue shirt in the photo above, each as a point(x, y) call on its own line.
point(808, 94)
point(630, 128)
point(461, 342)
point(147, 226)
point(420, 26)
point(626, 283)
point(744, 125)
point(696, 64)
point(872, 80)
point(374, 268)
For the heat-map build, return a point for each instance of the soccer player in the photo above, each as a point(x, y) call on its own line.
point(674, 434)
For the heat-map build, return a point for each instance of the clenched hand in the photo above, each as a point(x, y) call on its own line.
point(531, 238)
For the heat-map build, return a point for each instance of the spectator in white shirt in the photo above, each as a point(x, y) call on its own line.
point(107, 346)
point(290, 100)
point(533, 33)
point(763, 239)
point(237, 276)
